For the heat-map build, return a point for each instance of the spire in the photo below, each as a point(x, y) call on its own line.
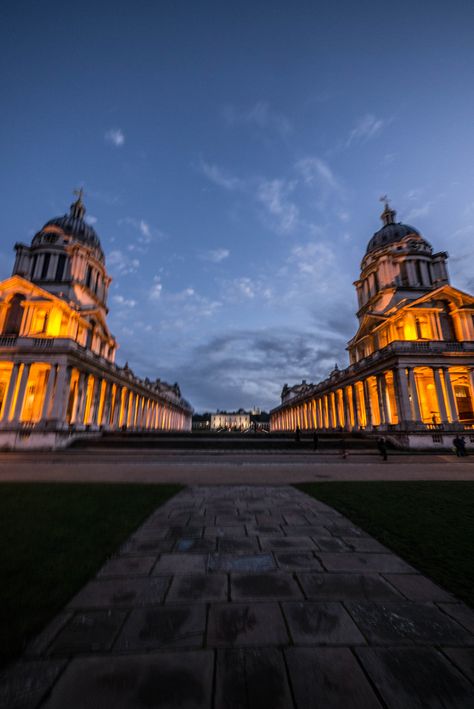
point(78, 209)
point(388, 215)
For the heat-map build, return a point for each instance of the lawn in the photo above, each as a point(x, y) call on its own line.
point(429, 524)
point(54, 537)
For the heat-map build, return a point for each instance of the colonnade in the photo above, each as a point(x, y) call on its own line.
point(46, 393)
point(402, 395)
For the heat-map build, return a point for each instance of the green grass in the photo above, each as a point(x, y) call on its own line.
point(54, 537)
point(429, 524)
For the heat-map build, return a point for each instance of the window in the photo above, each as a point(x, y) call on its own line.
point(40, 323)
point(422, 328)
point(60, 268)
point(88, 276)
point(14, 315)
point(45, 266)
point(33, 266)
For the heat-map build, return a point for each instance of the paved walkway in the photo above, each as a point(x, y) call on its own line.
point(255, 597)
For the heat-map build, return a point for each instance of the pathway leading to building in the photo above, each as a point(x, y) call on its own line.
point(251, 597)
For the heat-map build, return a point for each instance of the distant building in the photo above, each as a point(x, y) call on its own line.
point(411, 371)
point(58, 377)
point(232, 421)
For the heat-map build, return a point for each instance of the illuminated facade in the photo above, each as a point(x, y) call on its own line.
point(235, 421)
point(58, 377)
point(411, 370)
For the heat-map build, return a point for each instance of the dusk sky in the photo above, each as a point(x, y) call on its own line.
point(232, 156)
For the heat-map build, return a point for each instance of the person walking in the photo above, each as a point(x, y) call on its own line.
point(382, 447)
point(297, 434)
point(315, 441)
point(457, 445)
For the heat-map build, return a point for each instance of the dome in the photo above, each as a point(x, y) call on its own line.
point(391, 231)
point(73, 224)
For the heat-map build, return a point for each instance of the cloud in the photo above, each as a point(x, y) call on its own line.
point(115, 136)
point(120, 300)
point(313, 258)
point(274, 196)
point(316, 171)
point(122, 263)
point(219, 177)
point(365, 129)
point(90, 219)
point(215, 255)
point(260, 116)
point(156, 289)
point(422, 211)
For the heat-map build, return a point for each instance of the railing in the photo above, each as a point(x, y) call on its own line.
point(8, 341)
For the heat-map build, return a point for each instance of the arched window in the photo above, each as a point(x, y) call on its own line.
point(14, 315)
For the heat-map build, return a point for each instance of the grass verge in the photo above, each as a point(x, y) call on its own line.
point(429, 524)
point(54, 537)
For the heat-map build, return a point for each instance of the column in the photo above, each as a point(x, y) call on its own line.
point(347, 410)
point(96, 401)
point(354, 406)
point(414, 395)
point(61, 393)
point(21, 392)
point(367, 403)
point(11, 390)
point(402, 395)
point(450, 393)
point(381, 386)
point(48, 396)
point(81, 399)
point(440, 395)
point(105, 421)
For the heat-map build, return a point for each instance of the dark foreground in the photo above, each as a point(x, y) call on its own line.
point(251, 597)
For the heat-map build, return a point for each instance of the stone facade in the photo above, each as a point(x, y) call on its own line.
point(58, 377)
point(411, 371)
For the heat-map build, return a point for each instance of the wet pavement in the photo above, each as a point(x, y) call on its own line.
point(247, 596)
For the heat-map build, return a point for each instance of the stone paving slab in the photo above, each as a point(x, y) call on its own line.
point(251, 597)
point(165, 680)
point(329, 678)
point(416, 678)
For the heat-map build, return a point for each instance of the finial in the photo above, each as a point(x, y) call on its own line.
point(388, 215)
point(78, 209)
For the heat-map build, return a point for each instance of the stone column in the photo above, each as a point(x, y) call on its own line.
point(10, 391)
point(96, 401)
point(367, 403)
point(126, 407)
point(381, 393)
point(414, 395)
point(440, 395)
point(80, 407)
point(354, 406)
point(61, 393)
point(402, 395)
point(21, 392)
point(48, 395)
point(450, 393)
point(107, 405)
point(347, 410)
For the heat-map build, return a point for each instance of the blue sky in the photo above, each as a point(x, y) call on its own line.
point(232, 156)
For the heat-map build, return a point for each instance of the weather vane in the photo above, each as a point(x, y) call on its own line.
point(384, 199)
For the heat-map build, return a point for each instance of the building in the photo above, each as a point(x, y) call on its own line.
point(411, 370)
point(231, 421)
point(58, 377)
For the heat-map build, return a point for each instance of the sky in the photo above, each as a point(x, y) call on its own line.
point(233, 155)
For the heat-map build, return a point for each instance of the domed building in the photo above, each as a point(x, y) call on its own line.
point(58, 377)
point(411, 362)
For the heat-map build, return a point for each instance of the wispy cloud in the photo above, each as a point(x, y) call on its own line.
point(367, 127)
point(219, 177)
point(260, 116)
point(282, 212)
point(314, 170)
point(115, 136)
point(156, 289)
point(421, 211)
point(122, 264)
point(215, 255)
point(125, 302)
